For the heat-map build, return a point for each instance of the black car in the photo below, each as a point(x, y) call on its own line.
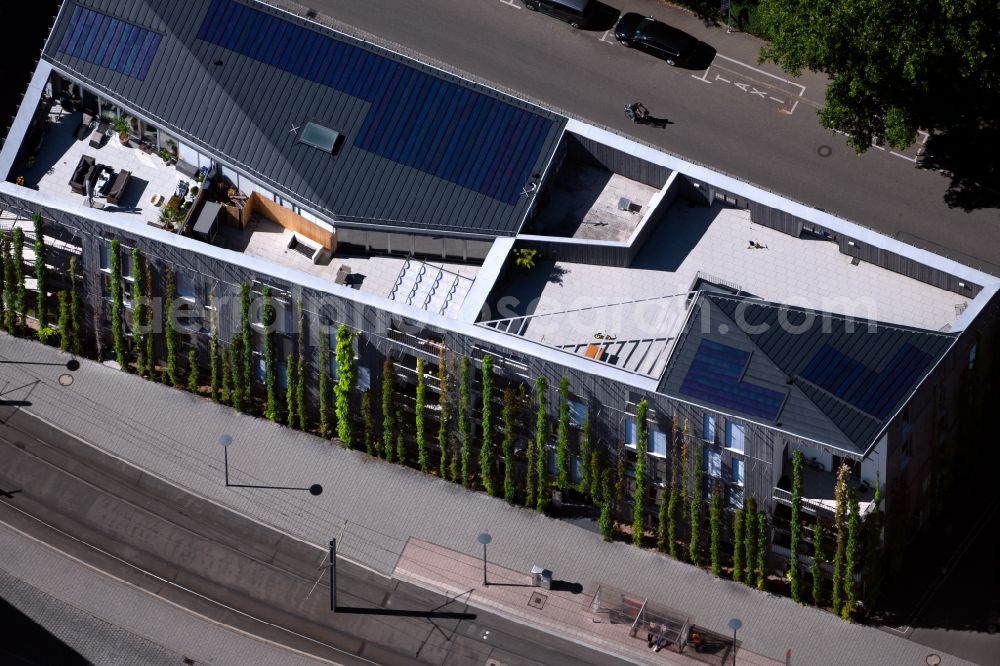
point(644, 32)
point(578, 13)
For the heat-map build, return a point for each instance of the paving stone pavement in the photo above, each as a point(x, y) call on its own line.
point(373, 507)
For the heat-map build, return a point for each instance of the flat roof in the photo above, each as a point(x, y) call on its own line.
point(421, 149)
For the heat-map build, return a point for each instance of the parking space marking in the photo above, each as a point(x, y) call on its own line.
point(511, 3)
point(923, 139)
point(604, 37)
point(753, 84)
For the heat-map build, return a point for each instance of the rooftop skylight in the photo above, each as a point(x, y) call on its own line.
point(320, 137)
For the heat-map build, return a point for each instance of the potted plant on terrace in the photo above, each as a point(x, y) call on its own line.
point(121, 126)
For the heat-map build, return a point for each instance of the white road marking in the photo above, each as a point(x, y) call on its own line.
point(779, 101)
point(760, 93)
point(703, 78)
point(604, 37)
point(797, 89)
point(510, 3)
point(719, 78)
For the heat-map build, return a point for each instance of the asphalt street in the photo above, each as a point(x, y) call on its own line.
point(238, 572)
point(728, 112)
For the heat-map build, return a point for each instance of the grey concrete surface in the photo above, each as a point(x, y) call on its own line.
point(724, 116)
point(228, 569)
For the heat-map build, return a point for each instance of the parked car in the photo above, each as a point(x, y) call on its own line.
point(655, 37)
point(578, 13)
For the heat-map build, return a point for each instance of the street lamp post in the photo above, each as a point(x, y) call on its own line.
point(734, 624)
point(484, 539)
point(225, 440)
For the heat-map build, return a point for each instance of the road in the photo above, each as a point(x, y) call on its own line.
point(748, 120)
point(236, 571)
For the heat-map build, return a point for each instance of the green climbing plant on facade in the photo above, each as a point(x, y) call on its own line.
point(246, 361)
point(739, 547)
point(562, 448)
point(368, 422)
point(586, 451)
point(270, 356)
point(761, 550)
point(840, 532)
point(464, 429)
point(819, 557)
point(291, 391)
point(140, 328)
point(487, 457)
point(345, 385)
point(852, 551)
point(606, 522)
point(694, 544)
point(324, 388)
point(75, 310)
point(750, 541)
point(419, 417)
point(41, 279)
point(117, 306)
point(214, 352)
point(641, 476)
point(509, 482)
point(536, 445)
point(64, 327)
point(794, 578)
point(444, 415)
point(192, 382)
point(388, 410)
point(715, 531)
point(675, 502)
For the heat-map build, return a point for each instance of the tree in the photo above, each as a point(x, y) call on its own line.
point(715, 525)
point(368, 420)
point(487, 458)
point(9, 287)
point(420, 415)
point(444, 398)
point(851, 558)
point(345, 385)
point(872, 571)
point(509, 484)
point(675, 502)
point(400, 439)
point(64, 327)
point(171, 375)
point(464, 430)
point(324, 383)
point(694, 545)
point(641, 478)
point(236, 391)
point(75, 310)
point(739, 547)
point(536, 445)
point(227, 385)
point(150, 314)
point(761, 549)
point(388, 409)
point(750, 540)
point(562, 452)
point(268, 317)
point(291, 392)
point(663, 521)
point(41, 307)
point(586, 452)
point(192, 382)
point(117, 304)
point(213, 349)
point(606, 522)
point(893, 67)
point(840, 529)
point(246, 362)
point(4, 260)
point(796, 525)
point(300, 373)
point(139, 311)
point(819, 557)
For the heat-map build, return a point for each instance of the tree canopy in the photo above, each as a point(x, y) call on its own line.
point(895, 67)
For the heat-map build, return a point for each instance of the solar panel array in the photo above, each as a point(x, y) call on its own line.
point(417, 119)
point(716, 376)
point(109, 42)
point(871, 392)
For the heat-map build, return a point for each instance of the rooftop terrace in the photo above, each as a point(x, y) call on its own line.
point(631, 316)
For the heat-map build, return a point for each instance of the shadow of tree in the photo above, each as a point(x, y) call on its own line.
point(968, 152)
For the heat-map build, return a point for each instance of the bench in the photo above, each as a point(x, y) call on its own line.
point(118, 186)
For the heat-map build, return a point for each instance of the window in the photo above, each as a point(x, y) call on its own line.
point(364, 379)
point(126, 264)
point(575, 470)
point(552, 460)
point(630, 432)
point(734, 497)
point(577, 412)
point(105, 251)
point(656, 441)
point(708, 428)
point(659, 443)
point(738, 469)
point(734, 436)
point(972, 356)
point(713, 463)
point(185, 286)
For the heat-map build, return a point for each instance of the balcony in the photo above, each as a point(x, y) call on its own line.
point(818, 490)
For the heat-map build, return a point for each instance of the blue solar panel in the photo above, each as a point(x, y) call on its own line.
point(716, 376)
point(101, 40)
point(470, 139)
point(871, 392)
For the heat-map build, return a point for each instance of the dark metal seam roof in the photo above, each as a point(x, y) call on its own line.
point(843, 386)
point(421, 150)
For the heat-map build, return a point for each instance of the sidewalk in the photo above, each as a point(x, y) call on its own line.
point(373, 508)
point(511, 594)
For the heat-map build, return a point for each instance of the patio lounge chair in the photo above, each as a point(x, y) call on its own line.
point(118, 186)
point(85, 169)
point(99, 135)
